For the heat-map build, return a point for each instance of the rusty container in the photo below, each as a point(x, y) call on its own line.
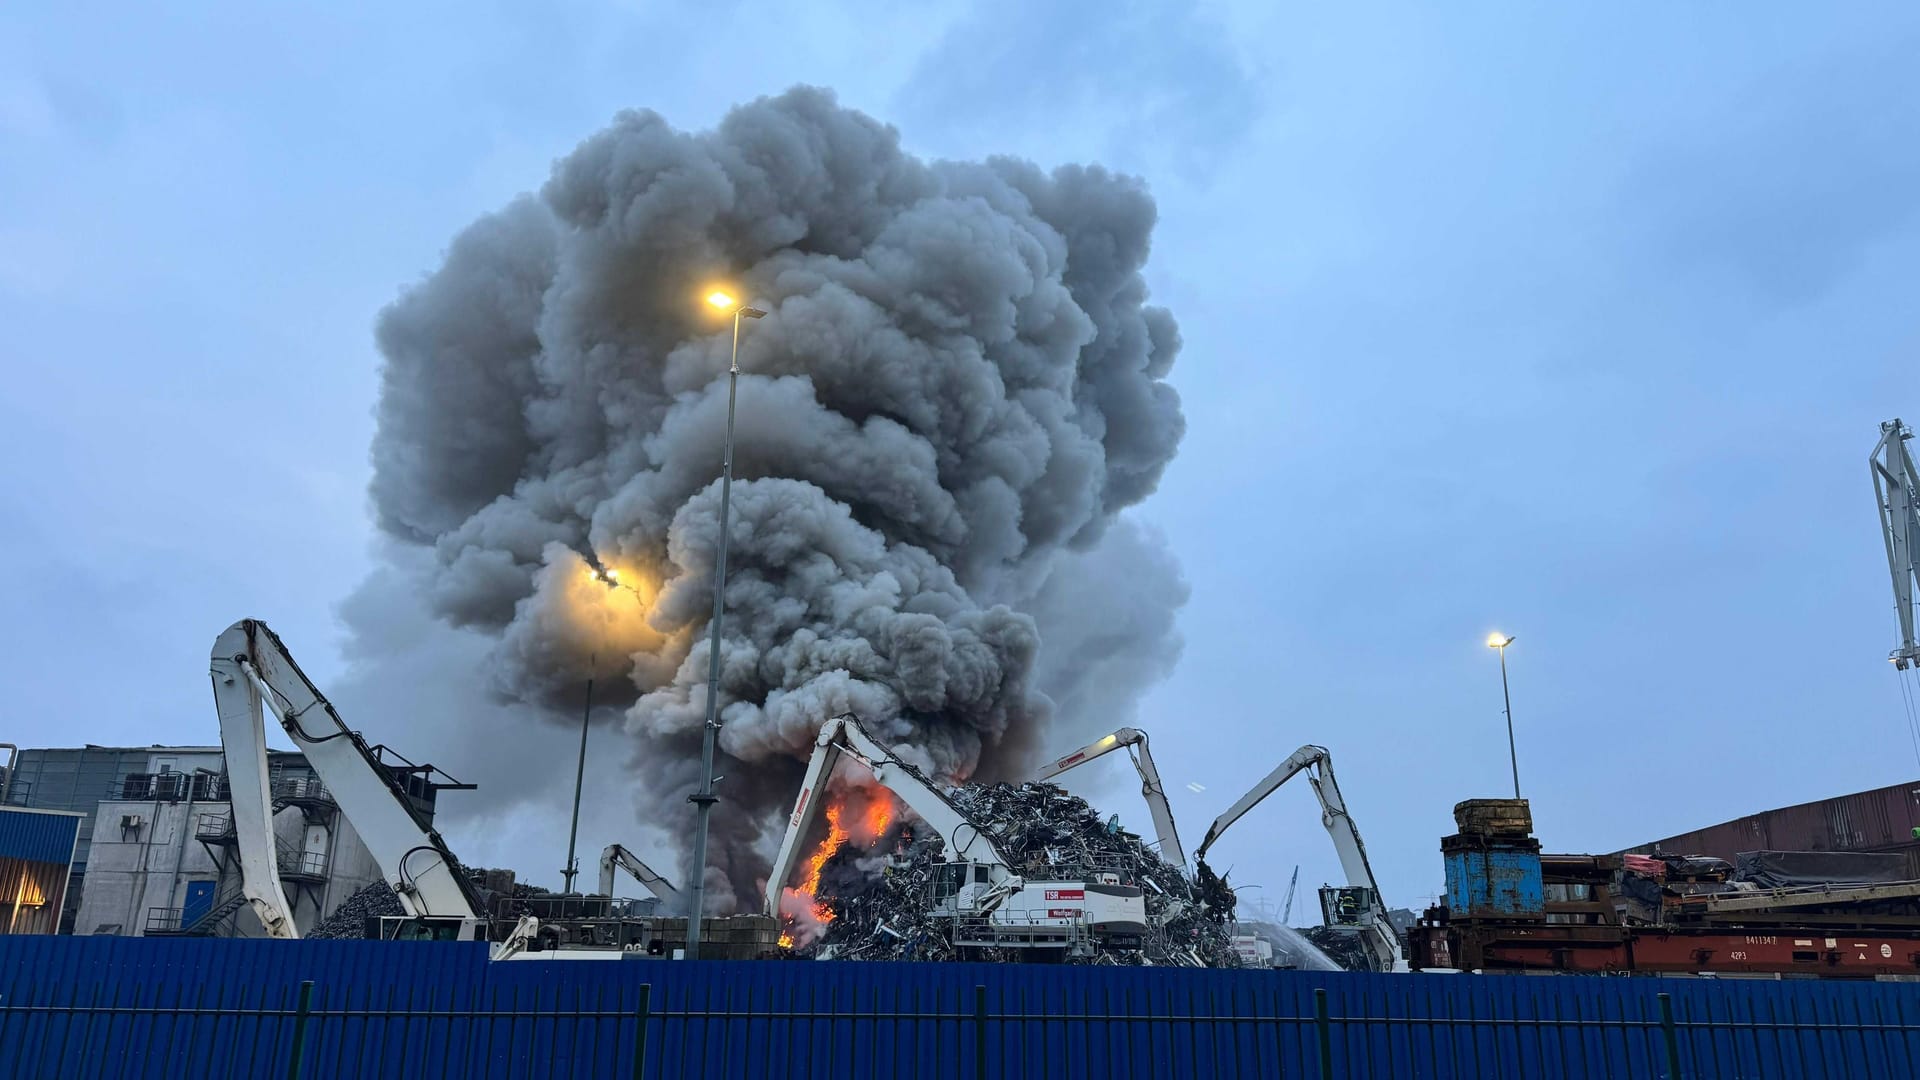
point(1494, 817)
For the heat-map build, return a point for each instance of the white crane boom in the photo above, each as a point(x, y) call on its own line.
point(1896, 486)
point(843, 735)
point(1383, 942)
point(617, 856)
point(1156, 796)
point(252, 668)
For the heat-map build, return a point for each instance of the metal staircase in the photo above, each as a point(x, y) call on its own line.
point(214, 830)
point(165, 922)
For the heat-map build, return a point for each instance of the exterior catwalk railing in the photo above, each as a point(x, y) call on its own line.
point(423, 1010)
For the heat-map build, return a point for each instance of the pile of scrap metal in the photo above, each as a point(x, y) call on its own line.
point(1855, 888)
point(1831, 914)
point(1340, 945)
point(349, 920)
point(360, 912)
point(879, 906)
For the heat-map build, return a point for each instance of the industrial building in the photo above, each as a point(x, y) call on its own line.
point(155, 853)
point(36, 858)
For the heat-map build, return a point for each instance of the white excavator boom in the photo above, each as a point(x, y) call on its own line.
point(251, 669)
point(1896, 488)
point(843, 736)
point(1383, 942)
point(617, 857)
point(1134, 741)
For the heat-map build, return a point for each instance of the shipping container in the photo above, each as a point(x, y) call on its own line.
point(1493, 877)
point(1883, 819)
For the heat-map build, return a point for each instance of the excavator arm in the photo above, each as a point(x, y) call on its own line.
point(618, 857)
point(252, 670)
point(1896, 488)
point(1135, 742)
point(1383, 942)
point(844, 737)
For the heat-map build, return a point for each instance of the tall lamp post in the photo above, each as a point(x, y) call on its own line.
point(704, 799)
point(611, 579)
point(579, 777)
point(1497, 640)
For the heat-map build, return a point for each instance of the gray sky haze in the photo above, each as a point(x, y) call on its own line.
point(1577, 325)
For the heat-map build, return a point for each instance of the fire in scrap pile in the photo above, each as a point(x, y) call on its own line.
point(870, 901)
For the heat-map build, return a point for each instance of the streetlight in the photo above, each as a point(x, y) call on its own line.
point(1497, 640)
point(609, 577)
point(704, 799)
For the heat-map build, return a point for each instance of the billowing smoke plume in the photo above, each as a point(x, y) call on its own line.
point(959, 384)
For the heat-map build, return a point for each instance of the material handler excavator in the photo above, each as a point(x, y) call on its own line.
point(615, 856)
point(981, 899)
point(252, 670)
point(1134, 741)
point(1357, 904)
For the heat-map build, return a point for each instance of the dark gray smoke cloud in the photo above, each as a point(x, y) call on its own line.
point(958, 387)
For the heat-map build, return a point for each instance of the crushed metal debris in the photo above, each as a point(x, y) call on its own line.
point(349, 920)
point(879, 899)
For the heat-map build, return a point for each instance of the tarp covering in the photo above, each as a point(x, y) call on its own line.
point(1788, 869)
point(1686, 866)
point(1645, 866)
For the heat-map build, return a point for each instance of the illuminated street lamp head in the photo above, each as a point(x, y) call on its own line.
point(722, 300)
point(1497, 640)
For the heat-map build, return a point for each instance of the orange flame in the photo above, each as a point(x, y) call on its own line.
point(879, 815)
point(835, 838)
point(862, 824)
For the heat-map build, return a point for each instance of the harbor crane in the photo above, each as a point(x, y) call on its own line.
point(1357, 905)
point(1134, 741)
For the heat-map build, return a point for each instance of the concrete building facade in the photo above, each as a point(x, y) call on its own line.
point(157, 853)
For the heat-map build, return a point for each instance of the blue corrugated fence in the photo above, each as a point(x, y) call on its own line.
point(38, 835)
point(131, 1007)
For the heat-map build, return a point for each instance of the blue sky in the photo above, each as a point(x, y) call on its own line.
point(1575, 324)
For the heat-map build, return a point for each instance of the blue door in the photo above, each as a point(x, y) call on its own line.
point(199, 902)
